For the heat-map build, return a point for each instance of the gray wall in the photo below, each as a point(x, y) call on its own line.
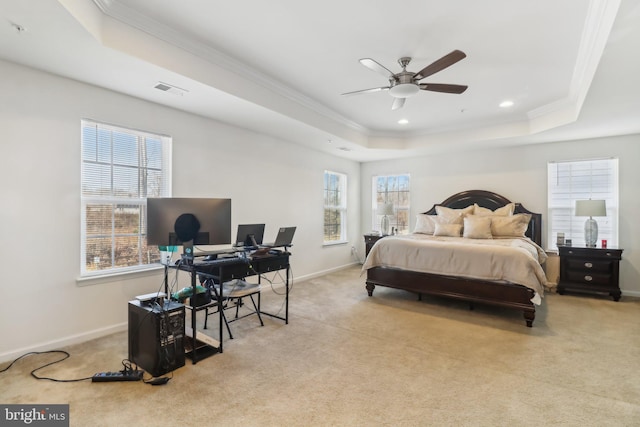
point(520, 174)
point(45, 305)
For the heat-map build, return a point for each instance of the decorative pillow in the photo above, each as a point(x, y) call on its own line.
point(506, 210)
point(425, 224)
point(451, 230)
point(477, 227)
point(453, 216)
point(510, 226)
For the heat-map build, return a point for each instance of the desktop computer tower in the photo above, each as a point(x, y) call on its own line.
point(156, 336)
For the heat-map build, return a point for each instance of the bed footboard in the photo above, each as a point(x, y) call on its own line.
point(485, 292)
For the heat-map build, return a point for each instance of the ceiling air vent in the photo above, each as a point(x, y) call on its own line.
point(170, 88)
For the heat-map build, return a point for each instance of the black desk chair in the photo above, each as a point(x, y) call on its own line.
point(232, 297)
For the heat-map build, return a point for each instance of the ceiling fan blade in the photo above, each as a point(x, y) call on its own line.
point(445, 88)
point(398, 103)
point(375, 89)
point(439, 65)
point(375, 66)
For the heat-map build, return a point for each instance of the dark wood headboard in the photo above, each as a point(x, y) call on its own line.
point(492, 201)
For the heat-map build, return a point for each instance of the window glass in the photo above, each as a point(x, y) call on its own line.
point(394, 190)
point(335, 207)
point(582, 180)
point(120, 169)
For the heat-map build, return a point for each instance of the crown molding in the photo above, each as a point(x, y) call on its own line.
point(126, 15)
point(598, 24)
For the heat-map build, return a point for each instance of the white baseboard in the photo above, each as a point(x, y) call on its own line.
point(324, 272)
point(63, 342)
point(626, 293)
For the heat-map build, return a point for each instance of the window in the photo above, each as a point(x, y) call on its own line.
point(335, 207)
point(582, 180)
point(120, 169)
point(392, 189)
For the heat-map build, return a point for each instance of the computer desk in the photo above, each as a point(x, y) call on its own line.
point(223, 270)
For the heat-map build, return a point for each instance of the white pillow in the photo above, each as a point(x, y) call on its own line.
point(453, 216)
point(451, 230)
point(425, 224)
point(510, 226)
point(506, 210)
point(477, 227)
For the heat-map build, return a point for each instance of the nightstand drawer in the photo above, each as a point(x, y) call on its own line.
point(593, 270)
point(371, 238)
point(369, 241)
point(588, 278)
point(591, 253)
point(589, 265)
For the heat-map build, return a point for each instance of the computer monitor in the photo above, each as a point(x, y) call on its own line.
point(245, 231)
point(207, 221)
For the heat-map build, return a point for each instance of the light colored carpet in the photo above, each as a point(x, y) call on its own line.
point(347, 359)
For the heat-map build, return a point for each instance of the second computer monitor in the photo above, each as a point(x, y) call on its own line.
point(247, 231)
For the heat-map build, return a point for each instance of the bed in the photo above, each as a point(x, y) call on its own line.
point(417, 270)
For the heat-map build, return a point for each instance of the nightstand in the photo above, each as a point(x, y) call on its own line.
point(594, 270)
point(369, 241)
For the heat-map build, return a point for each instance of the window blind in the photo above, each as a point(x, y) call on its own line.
point(120, 168)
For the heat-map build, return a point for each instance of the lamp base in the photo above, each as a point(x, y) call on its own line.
point(590, 232)
point(384, 225)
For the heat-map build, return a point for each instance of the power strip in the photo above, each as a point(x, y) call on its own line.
point(103, 377)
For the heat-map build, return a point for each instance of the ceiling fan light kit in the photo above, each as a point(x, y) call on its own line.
point(404, 90)
point(406, 84)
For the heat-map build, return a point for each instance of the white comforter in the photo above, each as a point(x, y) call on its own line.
point(516, 260)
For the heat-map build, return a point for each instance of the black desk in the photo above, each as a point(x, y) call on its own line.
point(256, 266)
point(223, 270)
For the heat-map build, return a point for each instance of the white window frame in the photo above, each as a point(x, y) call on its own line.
point(401, 202)
point(338, 204)
point(100, 167)
point(568, 181)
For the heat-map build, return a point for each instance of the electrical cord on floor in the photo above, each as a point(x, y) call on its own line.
point(33, 373)
point(355, 253)
point(128, 368)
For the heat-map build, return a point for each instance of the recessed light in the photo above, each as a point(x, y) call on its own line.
point(506, 104)
point(403, 121)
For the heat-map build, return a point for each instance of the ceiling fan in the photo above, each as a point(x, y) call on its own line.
point(406, 84)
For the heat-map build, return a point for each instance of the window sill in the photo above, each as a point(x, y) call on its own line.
point(336, 243)
point(114, 277)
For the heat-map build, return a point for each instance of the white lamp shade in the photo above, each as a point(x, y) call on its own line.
point(591, 208)
point(385, 209)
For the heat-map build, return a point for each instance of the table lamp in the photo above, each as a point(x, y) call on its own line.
point(385, 209)
point(591, 208)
